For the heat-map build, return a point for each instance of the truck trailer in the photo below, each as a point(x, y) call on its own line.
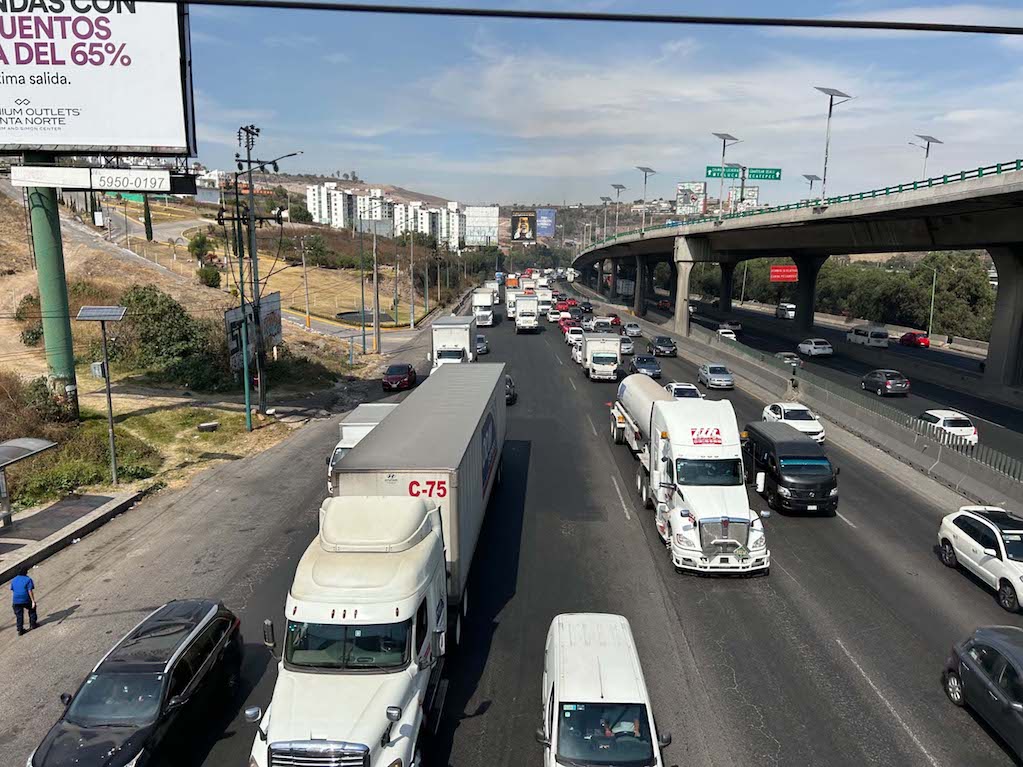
point(495, 287)
point(379, 595)
point(454, 340)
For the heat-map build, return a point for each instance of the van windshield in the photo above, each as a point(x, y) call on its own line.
point(708, 472)
point(336, 647)
point(804, 467)
point(604, 733)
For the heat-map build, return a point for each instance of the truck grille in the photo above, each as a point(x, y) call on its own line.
point(735, 532)
point(321, 753)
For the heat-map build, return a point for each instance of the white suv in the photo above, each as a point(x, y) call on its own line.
point(952, 422)
point(987, 541)
point(574, 335)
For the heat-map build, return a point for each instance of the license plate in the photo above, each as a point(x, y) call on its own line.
point(812, 508)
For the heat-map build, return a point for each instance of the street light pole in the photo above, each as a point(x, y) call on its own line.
point(926, 147)
point(831, 93)
point(646, 172)
point(305, 279)
point(618, 198)
point(412, 277)
point(811, 177)
point(725, 139)
point(605, 200)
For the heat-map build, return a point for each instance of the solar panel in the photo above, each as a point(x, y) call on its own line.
point(101, 313)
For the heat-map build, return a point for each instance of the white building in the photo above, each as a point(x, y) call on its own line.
point(374, 206)
point(481, 224)
point(406, 217)
point(317, 203)
point(341, 205)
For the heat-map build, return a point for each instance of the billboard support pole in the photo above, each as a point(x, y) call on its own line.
point(53, 303)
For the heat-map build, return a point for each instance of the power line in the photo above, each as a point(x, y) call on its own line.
point(622, 18)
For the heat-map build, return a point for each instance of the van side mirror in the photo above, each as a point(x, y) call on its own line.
point(328, 460)
point(253, 714)
point(664, 739)
point(837, 471)
point(761, 481)
point(65, 698)
point(542, 738)
point(268, 634)
point(429, 356)
point(990, 553)
point(393, 713)
point(765, 514)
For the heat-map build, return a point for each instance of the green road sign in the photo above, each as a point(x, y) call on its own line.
point(714, 171)
point(752, 174)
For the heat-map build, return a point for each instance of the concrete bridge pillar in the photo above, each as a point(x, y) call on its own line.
point(1004, 364)
point(673, 282)
point(727, 283)
point(649, 290)
point(600, 277)
point(639, 297)
point(688, 250)
point(806, 296)
point(614, 279)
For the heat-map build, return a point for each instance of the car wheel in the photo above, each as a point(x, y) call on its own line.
point(863, 386)
point(1007, 598)
point(772, 500)
point(954, 689)
point(948, 555)
point(880, 392)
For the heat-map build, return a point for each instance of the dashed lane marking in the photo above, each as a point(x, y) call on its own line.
point(621, 498)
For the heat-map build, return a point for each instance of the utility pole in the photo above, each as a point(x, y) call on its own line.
point(240, 250)
point(412, 278)
point(362, 289)
point(376, 297)
point(397, 271)
point(305, 279)
point(247, 137)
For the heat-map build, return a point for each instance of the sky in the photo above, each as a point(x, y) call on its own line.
point(508, 111)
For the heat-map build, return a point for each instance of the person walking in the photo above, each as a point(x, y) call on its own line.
point(24, 599)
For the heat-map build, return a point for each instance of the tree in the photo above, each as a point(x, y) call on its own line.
point(209, 276)
point(345, 176)
point(199, 246)
point(299, 213)
point(353, 176)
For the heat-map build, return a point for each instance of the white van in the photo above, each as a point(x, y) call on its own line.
point(865, 335)
point(785, 311)
point(595, 705)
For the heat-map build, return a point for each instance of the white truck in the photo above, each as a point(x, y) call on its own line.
point(495, 287)
point(483, 307)
point(454, 340)
point(690, 470)
point(546, 298)
point(379, 595)
point(353, 428)
point(511, 297)
point(600, 354)
point(528, 283)
point(527, 318)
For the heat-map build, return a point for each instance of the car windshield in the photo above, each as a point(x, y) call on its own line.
point(798, 414)
point(958, 423)
point(605, 359)
point(604, 733)
point(449, 354)
point(708, 471)
point(116, 700)
point(1013, 546)
point(396, 370)
point(686, 391)
point(718, 370)
point(662, 341)
point(805, 466)
point(335, 647)
point(650, 361)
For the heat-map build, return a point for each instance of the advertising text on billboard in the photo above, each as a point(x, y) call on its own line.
point(545, 222)
point(784, 273)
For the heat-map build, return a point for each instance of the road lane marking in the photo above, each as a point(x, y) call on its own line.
point(573, 384)
point(844, 519)
point(894, 712)
point(621, 498)
point(594, 428)
point(558, 358)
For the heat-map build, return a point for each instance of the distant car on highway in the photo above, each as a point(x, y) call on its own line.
point(798, 416)
point(988, 542)
point(645, 364)
point(482, 347)
point(399, 376)
point(571, 302)
point(633, 330)
point(915, 338)
point(574, 335)
point(815, 347)
point(553, 315)
point(161, 680)
point(734, 325)
point(726, 333)
point(785, 311)
point(983, 672)
point(587, 307)
point(562, 306)
point(615, 319)
point(664, 305)
point(885, 382)
point(865, 335)
point(952, 422)
point(511, 396)
point(683, 390)
point(627, 346)
point(662, 346)
point(714, 375)
point(791, 358)
point(575, 313)
point(565, 323)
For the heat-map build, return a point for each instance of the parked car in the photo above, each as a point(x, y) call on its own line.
point(633, 330)
point(627, 346)
point(988, 542)
point(798, 416)
point(734, 325)
point(952, 422)
point(815, 347)
point(553, 314)
point(587, 307)
point(150, 694)
point(511, 396)
point(915, 338)
point(662, 346)
point(865, 335)
point(785, 311)
point(399, 376)
point(791, 358)
point(683, 390)
point(664, 305)
point(726, 333)
point(645, 364)
point(983, 672)
point(482, 347)
point(714, 375)
point(885, 382)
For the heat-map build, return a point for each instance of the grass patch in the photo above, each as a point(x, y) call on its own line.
point(176, 427)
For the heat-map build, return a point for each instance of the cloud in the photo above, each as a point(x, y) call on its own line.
point(213, 111)
point(290, 40)
point(337, 57)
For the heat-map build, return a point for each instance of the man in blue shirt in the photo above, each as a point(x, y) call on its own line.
point(24, 599)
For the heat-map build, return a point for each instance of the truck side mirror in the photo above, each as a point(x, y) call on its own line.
point(664, 739)
point(393, 713)
point(429, 356)
point(761, 481)
point(268, 634)
point(542, 738)
point(837, 471)
point(438, 642)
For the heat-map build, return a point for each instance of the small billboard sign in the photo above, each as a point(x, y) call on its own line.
point(273, 332)
point(784, 273)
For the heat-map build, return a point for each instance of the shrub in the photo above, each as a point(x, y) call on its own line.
point(28, 308)
point(32, 335)
point(209, 276)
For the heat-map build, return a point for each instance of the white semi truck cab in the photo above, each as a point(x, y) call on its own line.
point(483, 307)
point(527, 319)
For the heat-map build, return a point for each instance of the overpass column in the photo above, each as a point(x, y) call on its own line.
point(614, 279)
point(688, 250)
point(727, 282)
point(638, 297)
point(673, 282)
point(600, 277)
point(806, 297)
point(1004, 364)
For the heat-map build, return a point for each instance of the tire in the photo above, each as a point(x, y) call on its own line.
point(1007, 598)
point(772, 500)
point(880, 392)
point(948, 555)
point(639, 482)
point(954, 689)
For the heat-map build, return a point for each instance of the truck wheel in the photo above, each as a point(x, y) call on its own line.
point(648, 499)
point(617, 437)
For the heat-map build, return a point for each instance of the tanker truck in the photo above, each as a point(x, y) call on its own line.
point(690, 470)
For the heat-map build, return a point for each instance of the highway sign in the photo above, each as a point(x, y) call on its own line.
point(784, 273)
point(714, 171)
point(752, 174)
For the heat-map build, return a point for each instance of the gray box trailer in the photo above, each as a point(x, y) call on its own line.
point(444, 442)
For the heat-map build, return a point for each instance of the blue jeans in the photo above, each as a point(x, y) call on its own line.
point(19, 616)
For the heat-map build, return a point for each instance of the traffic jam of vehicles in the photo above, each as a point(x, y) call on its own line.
point(378, 598)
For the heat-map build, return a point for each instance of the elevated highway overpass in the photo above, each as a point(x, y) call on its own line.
point(980, 208)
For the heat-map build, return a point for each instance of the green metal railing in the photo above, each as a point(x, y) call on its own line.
point(948, 178)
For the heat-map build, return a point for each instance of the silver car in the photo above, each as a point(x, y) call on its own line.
point(482, 347)
point(714, 375)
point(633, 330)
point(627, 346)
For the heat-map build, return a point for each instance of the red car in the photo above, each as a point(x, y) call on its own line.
point(615, 319)
point(566, 324)
point(562, 306)
point(571, 302)
point(399, 376)
point(919, 340)
point(664, 305)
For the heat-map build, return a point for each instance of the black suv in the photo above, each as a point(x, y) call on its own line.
point(152, 692)
point(662, 346)
point(586, 307)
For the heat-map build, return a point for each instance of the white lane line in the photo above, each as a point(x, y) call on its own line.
point(621, 498)
point(894, 712)
point(846, 520)
point(594, 428)
point(573, 384)
point(558, 358)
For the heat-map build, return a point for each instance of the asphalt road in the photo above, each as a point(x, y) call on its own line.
point(834, 658)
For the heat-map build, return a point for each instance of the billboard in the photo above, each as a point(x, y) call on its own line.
point(545, 222)
point(750, 198)
point(273, 332)
point(481, 225)
point(691, 198)
point(96, 77)
point(523, 226)
point(784, 273)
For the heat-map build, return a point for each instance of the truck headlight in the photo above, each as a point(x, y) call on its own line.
point(784, 492)
point(758, 543)
point(834, 492)
point(685, 541)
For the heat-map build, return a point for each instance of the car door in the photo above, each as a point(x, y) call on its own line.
point(1009, 687)
point(966, 540)
point(989, 567)
point(984, 666)
point(870, 380)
